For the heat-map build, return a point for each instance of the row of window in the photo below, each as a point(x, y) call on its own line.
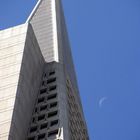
point(45, 107)
point(44, 125)
point(44, 116)
point(49, 74)
point(47, 90)
point(47, 81)
point(44, 135)
point(46, 98)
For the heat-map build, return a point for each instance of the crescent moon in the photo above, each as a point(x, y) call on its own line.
point(101, 101)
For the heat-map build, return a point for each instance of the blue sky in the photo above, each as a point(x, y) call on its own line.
point(105, 40)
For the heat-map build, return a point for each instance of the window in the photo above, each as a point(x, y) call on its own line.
point(50, 97)
point(33, 120)
point(55, 122)
point(44, 83)
point(52, 88)
point(53, 104)
point(51, 80)
point(41, 117)
point(44, 107)
point(52, 73)
point(42, 91)
point(52, 114)
point(53, 133)
point(36, 110)
point(44, 125)
point(41, 100)
point(45, 75)
point(41, 136)
point(33, 129)
point(31, 138)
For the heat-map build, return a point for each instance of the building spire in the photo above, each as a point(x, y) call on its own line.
point(43, 21)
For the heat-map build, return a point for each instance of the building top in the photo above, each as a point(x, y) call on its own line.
point(48, 22)
point(44, 22)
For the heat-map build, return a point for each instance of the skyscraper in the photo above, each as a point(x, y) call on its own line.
point(39, 97)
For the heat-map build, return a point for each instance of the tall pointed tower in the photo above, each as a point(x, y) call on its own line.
point(44, 102)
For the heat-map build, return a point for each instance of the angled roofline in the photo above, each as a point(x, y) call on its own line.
point(33, 11)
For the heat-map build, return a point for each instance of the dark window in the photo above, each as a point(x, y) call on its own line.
point(52, 88)
point(55, 122)
point(44, 107)
point(52, 114)
point(50, 97)
point(52, 133)
point(42, 91)
point(44, 83)
point(33, 120)
point(45, 75)
point(53, 104)
point(41, 136)
point(33, 129)
point(35, 109)
point(51, 80)
point(52, 73)
point(31, 138)
point(41, 117)
point(44, 125)
point(41, 100)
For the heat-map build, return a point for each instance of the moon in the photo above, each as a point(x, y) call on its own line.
point(101, 101)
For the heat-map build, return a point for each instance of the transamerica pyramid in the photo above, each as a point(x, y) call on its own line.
point(39, 96)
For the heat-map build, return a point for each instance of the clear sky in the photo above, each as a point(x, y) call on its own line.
point(105, 40)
